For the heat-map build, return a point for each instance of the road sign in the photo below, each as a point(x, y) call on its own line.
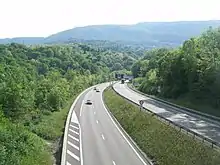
point(141, 102)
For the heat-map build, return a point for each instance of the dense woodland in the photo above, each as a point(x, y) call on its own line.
point(135, 50)
point(35, 83)
point(190, 73)
point(38, 82)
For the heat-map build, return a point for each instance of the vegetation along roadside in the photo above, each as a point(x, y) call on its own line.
point(37, 87)
point(187, 75)
point(160, 142)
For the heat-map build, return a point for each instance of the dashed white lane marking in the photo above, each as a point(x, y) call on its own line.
point(73, 131)
point(73, 138)
point(97, 121)
point(74, 118)
point(81, 108)
point(123, 134)
point(73, 145)
point(94, 112)
point(67, 163)
point(73, 155)
point(74, 126)
point(113, 162)
point(103, 137)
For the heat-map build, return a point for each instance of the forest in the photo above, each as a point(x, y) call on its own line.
point(188, 75)
point(37, 83)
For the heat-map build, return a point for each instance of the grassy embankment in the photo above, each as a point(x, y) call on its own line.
point(18, 146)
point(51, 129)
point(159, 141)
point(36, 144)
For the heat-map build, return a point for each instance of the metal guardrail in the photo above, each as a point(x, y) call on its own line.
point(195, 135)
point(191, 111)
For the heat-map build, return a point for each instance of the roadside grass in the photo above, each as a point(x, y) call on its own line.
point(18, 146)
point(34, 144)
point(162, 143)
point(52, 126)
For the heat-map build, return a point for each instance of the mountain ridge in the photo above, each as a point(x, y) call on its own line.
point(152, 34)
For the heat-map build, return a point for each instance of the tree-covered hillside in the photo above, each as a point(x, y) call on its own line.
point(36, 85)
point(189, 75)
point(131, 49)
point(148, 34)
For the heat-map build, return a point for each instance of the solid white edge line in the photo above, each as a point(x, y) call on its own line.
point(123, 134)
point(67, 163)
point(103, 137)
point(73, 145)
point(74, 126)
point(73, 155)
point(81, 108)
point(113, 162)
point(63, 157)
point(73, 131)
point(81, 151)
point(73, 137)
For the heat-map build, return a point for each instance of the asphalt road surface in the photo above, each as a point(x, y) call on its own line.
point(94, 138)
point(195, 123)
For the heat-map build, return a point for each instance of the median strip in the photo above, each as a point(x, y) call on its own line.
point(162, 143)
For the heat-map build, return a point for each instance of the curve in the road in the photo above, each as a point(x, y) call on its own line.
point(94, 138)
point(200, 126)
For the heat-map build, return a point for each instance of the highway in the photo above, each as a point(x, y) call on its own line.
point(93, 138)
point(203, 127)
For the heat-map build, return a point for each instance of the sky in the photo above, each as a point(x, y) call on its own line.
point(41, 18)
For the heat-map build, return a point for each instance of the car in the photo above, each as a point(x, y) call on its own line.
point(97, 90)
point(89, 102)
point(94, 88)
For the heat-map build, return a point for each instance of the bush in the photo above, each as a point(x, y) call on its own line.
point(20, 147)
point(51, 127)
point(159, 141)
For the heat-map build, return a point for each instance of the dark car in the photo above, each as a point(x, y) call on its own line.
point(89, 102)
point(94, 88)
point(97, 90)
